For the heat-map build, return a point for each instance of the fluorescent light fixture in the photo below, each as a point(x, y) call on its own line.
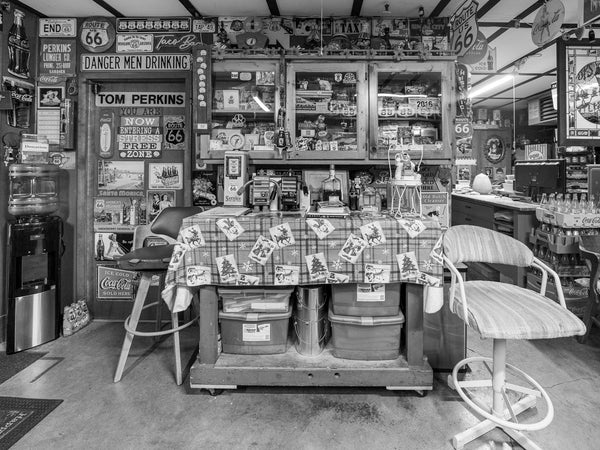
point(488, 87)
point(554, 93)
point(260, 103)
point(382, 94)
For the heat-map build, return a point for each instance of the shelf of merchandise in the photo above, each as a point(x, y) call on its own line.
point(577, 159)
point(558, 247)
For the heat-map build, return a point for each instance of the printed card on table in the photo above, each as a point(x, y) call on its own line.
point(248, 280)
point(230, 227)
point(337, 278)
point(372, 233)
point(321, 227)
point(428, 279)
point(262, 249)
point(227, 267)
point(193, 236)
point(413, 227)
point(282, 235)
point(177, 256)
point(409, 267)
point(377, 273)
point(317, 266)
point(287, 275)
point(352, 248)
point(197, 275)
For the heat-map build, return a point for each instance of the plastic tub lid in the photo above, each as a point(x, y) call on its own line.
point(255, 316)
point(258, 292)
point(368, 321)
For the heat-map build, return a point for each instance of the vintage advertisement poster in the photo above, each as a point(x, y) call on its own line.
point(116, 176)
point(435, 206)
point(165, 176)
point(114, 283)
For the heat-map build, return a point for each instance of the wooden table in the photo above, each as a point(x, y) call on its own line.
point(227, 371)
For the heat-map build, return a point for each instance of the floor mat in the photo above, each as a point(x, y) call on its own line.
point(19, 415)
point(10, 365)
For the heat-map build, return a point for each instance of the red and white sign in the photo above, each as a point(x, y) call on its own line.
point(464, 27)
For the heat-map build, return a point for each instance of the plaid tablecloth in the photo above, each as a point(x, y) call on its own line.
point(272, 250)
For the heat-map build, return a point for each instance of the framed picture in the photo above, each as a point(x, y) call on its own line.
point(165, 176)
point(120, 175)
point(157, 201)
point(50, 96)
point(578, 92)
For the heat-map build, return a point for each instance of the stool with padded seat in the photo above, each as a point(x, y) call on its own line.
point(150, 261)
point(502, 311)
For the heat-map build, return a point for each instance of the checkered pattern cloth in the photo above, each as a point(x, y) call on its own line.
point(216, 244)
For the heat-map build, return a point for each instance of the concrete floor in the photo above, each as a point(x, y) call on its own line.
point(147, 410)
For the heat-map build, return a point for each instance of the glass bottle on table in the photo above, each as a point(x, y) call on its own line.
point(332, 187)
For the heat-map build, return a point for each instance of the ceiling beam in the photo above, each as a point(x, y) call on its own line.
point(437, 10)
point(522, 15)
point(513, 63)
point(109, 8)
point(356, 7)
point(521, 83)
point(485, 8)
point(520, 99)
point(516, 24)
point(191, 8)
point(273, 7)
point(20, 5)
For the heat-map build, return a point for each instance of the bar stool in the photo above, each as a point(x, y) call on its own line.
point(589, 246)
point(150, 260)
point(502, 311)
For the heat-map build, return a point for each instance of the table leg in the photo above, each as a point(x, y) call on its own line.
point(209, 319)
point(414, 324)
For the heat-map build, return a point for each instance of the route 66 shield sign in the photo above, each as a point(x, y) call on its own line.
point(464, 27)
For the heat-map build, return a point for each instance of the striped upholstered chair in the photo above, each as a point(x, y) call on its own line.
point(502, 311)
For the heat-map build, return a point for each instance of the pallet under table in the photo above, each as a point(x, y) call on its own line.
point(211, 371)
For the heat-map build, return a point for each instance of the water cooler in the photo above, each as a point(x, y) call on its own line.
point(33, 255)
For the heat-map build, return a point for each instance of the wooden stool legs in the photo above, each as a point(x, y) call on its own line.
point(132, 321)
point(138, 306)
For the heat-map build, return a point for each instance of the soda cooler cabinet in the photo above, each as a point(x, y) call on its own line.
point(33, 281)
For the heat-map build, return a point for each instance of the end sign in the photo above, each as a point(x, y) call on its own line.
point(57, 27)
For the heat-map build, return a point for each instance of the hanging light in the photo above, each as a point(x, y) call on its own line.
point(478, 92)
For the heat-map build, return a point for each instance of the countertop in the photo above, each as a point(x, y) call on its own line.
point(497, 200)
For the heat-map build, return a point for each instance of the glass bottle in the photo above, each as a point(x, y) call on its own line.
point(354, 194)
point(332, 187)
point(18, 47)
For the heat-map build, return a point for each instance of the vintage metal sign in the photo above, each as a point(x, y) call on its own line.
point(97, 34)
point(156, 99)
point(547, 22)
point(135, 43)
point(114, 283)
point(123, 62)
point(50, 27)
point(155, 25)
point(464, 27)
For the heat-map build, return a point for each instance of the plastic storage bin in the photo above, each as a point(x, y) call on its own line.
point(247, 299)
point(254, 333)
point(368, 338)
point(366, 299)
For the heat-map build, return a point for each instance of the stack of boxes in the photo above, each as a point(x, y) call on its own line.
point(254, 321)
point(366, 321)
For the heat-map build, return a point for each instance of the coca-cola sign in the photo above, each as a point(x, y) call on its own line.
point(114, 283)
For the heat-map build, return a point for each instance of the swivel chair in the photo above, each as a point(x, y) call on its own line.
point(152, 261)
point(502, 311)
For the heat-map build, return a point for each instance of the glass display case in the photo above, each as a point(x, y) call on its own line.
point(243, 109)
point(410, 109)
point(327, 110)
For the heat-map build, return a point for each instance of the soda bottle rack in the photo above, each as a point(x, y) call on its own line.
point(568, 220)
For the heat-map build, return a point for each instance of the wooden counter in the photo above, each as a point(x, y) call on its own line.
point(502, 214)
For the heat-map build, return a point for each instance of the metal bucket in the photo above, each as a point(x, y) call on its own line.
point(311, 324)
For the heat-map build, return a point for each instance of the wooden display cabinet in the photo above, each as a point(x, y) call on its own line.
point(327, 107)
point(243, 105)
point(411, 109)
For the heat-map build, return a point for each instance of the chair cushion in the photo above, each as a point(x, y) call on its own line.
point(504, 311)
point(147, 258)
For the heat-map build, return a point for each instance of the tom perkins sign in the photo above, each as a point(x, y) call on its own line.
point(111, 61)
